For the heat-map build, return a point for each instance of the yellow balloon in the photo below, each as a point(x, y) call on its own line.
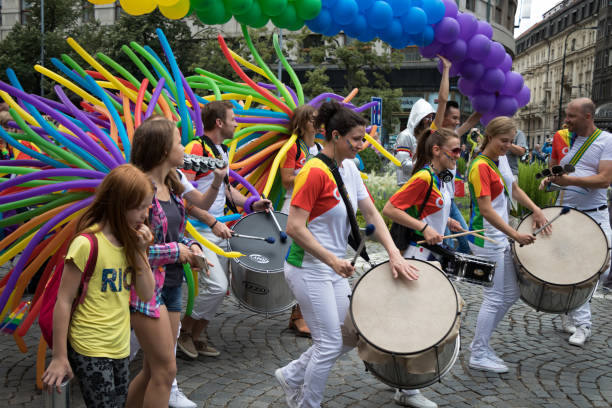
point(170, 3)
point(175, 11)
point(196, 235)
point(281, 153)
point(99, 2)
point(382, 150)
point(138, 7)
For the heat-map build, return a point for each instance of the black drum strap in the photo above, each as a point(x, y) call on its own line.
point(354, 238)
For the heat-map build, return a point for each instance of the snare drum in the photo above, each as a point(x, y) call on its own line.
point(559, 272)
point(463, 267)
point(258, 279)
point(407, 332)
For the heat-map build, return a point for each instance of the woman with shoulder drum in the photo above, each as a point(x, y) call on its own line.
point(318, 223)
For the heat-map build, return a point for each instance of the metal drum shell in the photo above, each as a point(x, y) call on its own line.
point(551, 297)
point(260, 289)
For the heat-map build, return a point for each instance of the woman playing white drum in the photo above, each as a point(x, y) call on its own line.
point(423, 204)
point(491, 186)
point(318, 224)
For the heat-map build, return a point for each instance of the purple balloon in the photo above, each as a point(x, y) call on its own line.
point(472, 70)
point(451, 8)
point(483, 102)
point(523, 96)
point(447, 30)
point(455, 69)
point(506, 106)
point(513, 85)
point(496, 56)
point(479, 47)
point(487, 117)
point(431, 50)
point(467, 87)
point(468, 24)
point(70, 172)
point(493, 80)
point(506, 65)
point(456, 51)
point(485, 29)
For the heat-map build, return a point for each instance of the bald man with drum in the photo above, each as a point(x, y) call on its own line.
point(590, 151)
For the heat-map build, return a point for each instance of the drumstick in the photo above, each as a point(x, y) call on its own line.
point(281, 233)
point(459, 234)
point(486, 238)
point(368, 231)
point(564, 210)
point(269, 240)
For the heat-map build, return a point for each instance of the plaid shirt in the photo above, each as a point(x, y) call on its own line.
point(161, 254)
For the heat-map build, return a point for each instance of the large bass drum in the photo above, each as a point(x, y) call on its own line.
point(560, 271)
point(406, 332)
point(258, 279)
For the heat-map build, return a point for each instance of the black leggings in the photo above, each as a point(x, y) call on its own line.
point(104, 381)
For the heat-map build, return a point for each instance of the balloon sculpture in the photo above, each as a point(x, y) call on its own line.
point(436, 26)
point(73, 144)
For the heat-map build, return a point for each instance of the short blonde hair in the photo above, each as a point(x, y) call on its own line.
point(498, 126)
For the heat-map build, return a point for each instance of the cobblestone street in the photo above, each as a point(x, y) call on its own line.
point(545, 371)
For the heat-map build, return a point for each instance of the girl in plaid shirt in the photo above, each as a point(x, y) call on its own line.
point(157, 150)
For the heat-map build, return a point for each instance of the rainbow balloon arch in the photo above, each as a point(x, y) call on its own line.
point(71, 147)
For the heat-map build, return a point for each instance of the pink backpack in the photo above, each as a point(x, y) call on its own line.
point(45, 318)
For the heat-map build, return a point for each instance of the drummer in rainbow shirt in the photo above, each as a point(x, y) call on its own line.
point(491, 186)
point(423, 204)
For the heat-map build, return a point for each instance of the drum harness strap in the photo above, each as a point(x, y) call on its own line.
point(205, 141)
point(354, 238)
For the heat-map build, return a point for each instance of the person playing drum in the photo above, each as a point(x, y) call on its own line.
point(428, 188)
point(589, 149)
point(315, 270)
point(491, 186)
point(305, 147)
point(219, 124)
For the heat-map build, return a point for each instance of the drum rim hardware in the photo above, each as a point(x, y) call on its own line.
point(201, 163)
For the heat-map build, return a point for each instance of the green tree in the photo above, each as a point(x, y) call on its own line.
point(316, 83)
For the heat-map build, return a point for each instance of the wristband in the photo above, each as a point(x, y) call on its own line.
point(213, 224)
point(423, 229)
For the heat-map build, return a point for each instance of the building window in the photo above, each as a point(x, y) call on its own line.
point(470, 5)
point(609, 52)
point(573, 44)
point(1, 12)
point(411, 54)
point(25, 11)
point(552, 54)
point(498, 12)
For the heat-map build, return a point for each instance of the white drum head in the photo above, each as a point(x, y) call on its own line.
point(400, 316)
point(576, 250)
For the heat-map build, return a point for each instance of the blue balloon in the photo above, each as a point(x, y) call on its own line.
point(414, 21)
point(321, 22)
point(332, 30)
point(365, 4)
point(394, 33)
point(424, 38)
point(380, 15)
point(356, 28)
point(327, 3)
point(400, 7)
point(417, 3)
point(367, 35)
point(344, 11)
point(434, 9)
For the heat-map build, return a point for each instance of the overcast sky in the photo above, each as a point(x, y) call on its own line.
point(538, 7)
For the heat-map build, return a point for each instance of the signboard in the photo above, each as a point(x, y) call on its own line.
point(376, 113)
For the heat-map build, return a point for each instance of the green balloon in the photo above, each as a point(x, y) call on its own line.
point(260, 22)
point(287, 18)
point(202, 4)
point(307, 9)
point(273, 7)
point(238, 6)
point(299, 23)
point(251, 14)
point(216, 13)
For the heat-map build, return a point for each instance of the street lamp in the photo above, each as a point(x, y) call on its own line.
point(563, 72)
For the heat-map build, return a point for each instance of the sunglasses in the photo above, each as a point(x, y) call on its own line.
point(556, 171)
point(455, 151)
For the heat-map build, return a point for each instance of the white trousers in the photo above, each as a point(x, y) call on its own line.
point(323, 298)
point(211, 289)
point(582, 315)
point(497, 298)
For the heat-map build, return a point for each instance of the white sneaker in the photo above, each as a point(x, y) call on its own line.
point(567, 324)
point(413, 400)
point(487, 364)
point(582, 334)
point(180, 400)
point(493, 357)
point(291, 394)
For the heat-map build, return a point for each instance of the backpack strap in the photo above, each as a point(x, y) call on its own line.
point(90, 266)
